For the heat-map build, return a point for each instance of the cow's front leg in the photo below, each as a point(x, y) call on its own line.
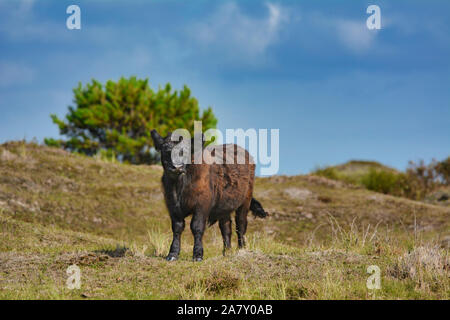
point(198, 224)
point(177, 229)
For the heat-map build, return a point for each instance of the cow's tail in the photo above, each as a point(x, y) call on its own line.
point(257, 209)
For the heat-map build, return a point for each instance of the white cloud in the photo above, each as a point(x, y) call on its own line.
point(18, 7)
point(17, 21)
point(355, 35)
point(351, 34)
point(238, 34)
point(26, 6)
point(410, 26)
point(12, 73)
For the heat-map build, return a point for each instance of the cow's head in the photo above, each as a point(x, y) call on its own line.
point(165, 146)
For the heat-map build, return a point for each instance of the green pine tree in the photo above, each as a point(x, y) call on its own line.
point(116, 119)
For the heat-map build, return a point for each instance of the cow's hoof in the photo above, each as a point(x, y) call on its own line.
point(171, 258)
point(197, 259)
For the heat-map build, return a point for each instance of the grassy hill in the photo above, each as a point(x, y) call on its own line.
point(378, 177)
point(358, 168)
point(353, 171)
point(59, 209)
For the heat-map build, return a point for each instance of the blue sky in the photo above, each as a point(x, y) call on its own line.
point(336, 90)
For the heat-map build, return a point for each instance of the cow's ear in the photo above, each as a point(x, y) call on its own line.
point(157, 139)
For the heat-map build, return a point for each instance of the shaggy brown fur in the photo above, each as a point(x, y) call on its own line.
point(210, 192)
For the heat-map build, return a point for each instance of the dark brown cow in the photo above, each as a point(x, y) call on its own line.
point(210, 192)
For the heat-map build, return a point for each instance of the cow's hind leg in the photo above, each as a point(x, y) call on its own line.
point(177, 229)
point(241, 224)
point(198, 224)
point(225, 229)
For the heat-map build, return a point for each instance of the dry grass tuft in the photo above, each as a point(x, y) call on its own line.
point(429, 260)
point(159, 242)
point(216, 282)
point(298, 194)
point(5, 155)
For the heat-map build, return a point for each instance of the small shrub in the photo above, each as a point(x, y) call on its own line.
point(381, 181)
point(443, 171)
point(217, 282)
point(327, 172)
